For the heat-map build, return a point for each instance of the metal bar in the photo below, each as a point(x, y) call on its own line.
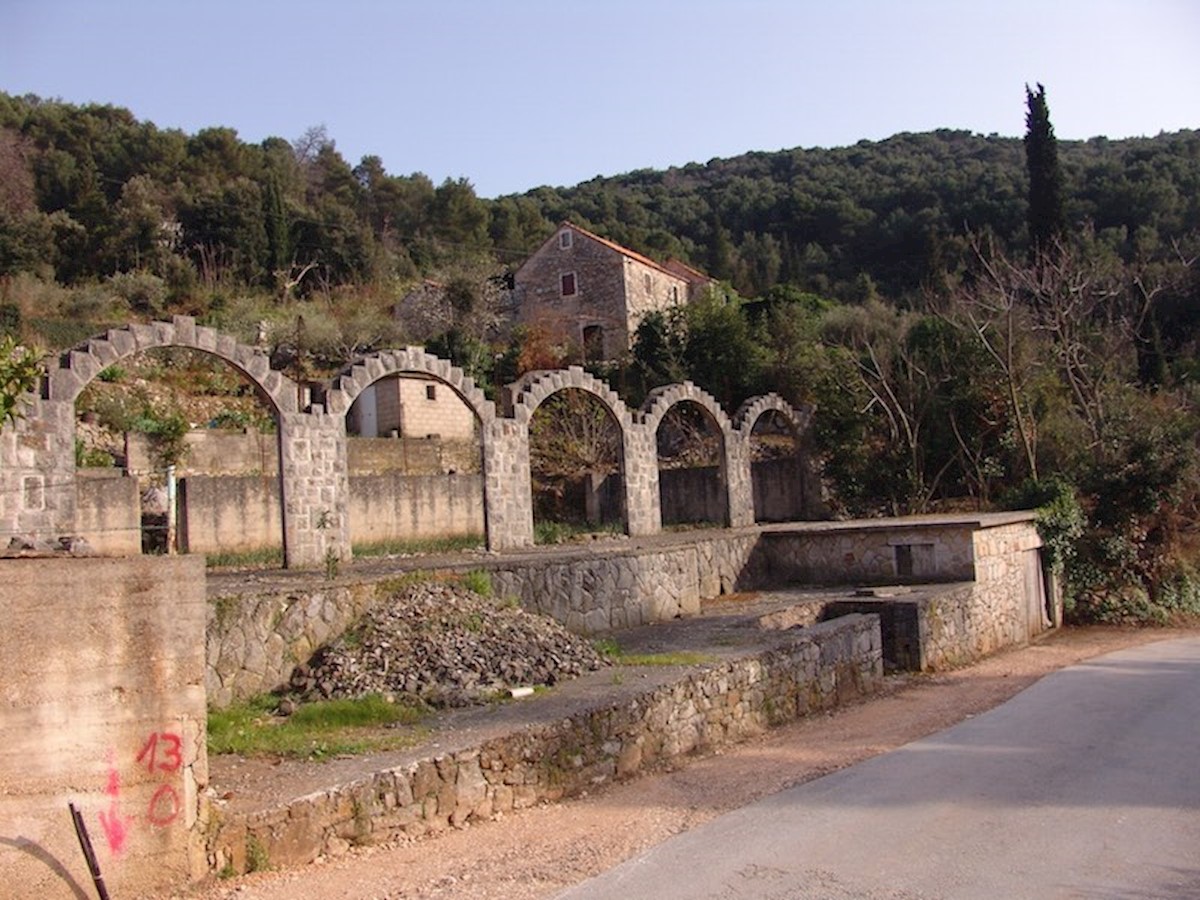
point(85, 844)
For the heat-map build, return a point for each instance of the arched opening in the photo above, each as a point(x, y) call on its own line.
point(577, 467)
point(414, 451)
point(777, 470)
point(176, 450)
point(692, 484)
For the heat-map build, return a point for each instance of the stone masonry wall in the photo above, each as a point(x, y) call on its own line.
point(710, 707)
point(37, 466)
point(102, 705)
point(863, 551)
point(254, 640)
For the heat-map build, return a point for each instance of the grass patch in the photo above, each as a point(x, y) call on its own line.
point(263, 558)
point(418, 546)
point(316, 730)
point(477, 580)
point(546, 532)
point(681, 658)
point(612, 651)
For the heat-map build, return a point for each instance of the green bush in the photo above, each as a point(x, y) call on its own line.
point(1060, 518)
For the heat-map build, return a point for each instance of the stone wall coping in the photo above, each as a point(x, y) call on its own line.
point(972, 521)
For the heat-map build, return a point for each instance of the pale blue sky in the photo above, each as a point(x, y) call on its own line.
point(513, 94)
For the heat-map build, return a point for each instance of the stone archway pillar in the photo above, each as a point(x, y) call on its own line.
point(643, 506)
point(314, 487)
point(37, 471)
point(507, 489)
point(741, 481)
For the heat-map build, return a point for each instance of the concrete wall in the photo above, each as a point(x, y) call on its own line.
point(873, 551)
point(411, 456)
point(102, 704)
point(237, 515)
point(229, 514)
point(815, 669)
point(393, 507)
point(779, 490)
point(108, 512)
point(692, 495)
point(211, 451)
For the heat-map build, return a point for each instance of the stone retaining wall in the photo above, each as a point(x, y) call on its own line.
point(255, 640)
point(818, 668)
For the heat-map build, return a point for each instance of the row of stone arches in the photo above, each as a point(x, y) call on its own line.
point(37, 459)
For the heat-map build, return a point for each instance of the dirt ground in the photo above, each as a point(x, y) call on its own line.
point(538, 852)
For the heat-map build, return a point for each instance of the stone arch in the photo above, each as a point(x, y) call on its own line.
point(660, 400)
point(654, 410)
point(356, 378)
point(351, 382)
point(752, 409)
point(526, 394)
point(796, 489)
point(77, 367)
point(639, 465)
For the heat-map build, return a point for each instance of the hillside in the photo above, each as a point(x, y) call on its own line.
point(91, 193)
point(892, 287)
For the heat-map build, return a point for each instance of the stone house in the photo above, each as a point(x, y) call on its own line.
point(413, 407)
point(592, 293)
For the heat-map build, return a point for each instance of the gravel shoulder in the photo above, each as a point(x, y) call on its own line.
point(538, 852)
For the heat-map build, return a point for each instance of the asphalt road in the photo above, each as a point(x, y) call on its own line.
point(1086, 785)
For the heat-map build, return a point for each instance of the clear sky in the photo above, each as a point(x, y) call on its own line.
point(513, 94)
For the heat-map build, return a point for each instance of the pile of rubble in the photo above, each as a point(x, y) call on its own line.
point(447, 646)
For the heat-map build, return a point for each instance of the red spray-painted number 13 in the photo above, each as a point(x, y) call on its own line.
point(165, 745)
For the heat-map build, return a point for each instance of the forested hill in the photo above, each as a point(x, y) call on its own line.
point(892, 209)
point(87, 192)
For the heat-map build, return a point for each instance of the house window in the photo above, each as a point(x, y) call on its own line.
point(675, 294)
point(593, 343)
point(564, 240)
point(431, 392)
point(648, 283)
point(568, 284)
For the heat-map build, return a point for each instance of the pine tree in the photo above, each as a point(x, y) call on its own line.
point(1046, 218)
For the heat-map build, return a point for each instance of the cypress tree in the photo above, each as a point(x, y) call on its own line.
point(1047, 221)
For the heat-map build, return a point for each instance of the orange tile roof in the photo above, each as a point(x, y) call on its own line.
point(634, 255)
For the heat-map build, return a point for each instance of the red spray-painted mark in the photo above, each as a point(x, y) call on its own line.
point(172, 749)
point(161, 753)
point(164, 806)
point(114, 824)
point(116, 827)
